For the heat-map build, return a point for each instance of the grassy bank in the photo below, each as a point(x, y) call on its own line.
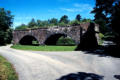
point(44, 48)
point(6, 70)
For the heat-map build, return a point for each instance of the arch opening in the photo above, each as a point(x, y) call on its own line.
point(29, 40)
point(52, 40)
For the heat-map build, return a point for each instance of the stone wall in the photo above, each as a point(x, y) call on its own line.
point(41, 34)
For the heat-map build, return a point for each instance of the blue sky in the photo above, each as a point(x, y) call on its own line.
point(25, 10)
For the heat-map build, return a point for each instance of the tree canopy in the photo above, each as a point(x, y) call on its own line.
point(78, 17)
point(107, 13)
point(6, 21)
point(64, 21)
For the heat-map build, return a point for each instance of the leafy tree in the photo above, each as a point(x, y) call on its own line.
point(22, 26)
point(86, 20)
point(64, 19)
point(103, 28)
point(115, 21)
point(62, 24)
point(39, 23)
point(65, 41)
point(74, 22)
point(6, 20)
point(32, 23)
point(102, 11)
point(45, 23)
point(53, 21)
point(109, 11)
point(78, 17)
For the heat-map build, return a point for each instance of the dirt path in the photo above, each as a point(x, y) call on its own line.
point(37, 65)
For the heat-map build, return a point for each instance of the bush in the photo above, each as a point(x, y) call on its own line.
point(62, 24)
point(74, 22)
point(101, 36)
point(65, 41)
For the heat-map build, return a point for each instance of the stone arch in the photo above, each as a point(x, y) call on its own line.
point(27, 40)
point(51, 39)
point(74, 39)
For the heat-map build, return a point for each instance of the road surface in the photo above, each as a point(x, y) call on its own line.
point(38, 65)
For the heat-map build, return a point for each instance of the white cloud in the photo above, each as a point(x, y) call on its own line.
point(71, 9)
point(24, 18)
point(87, 8)
point(83, 6)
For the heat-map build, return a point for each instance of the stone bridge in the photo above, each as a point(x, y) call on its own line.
point(50, 35)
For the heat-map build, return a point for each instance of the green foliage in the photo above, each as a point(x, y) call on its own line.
point(39, 23)
point(102, 23)
point(5, 23)
point(53, 21)
point(22, 26)
point(78, 17)
point(64, 19)
point(101, 36)
point(65, 41)
point(32, 23)
point(35, 43)
point(109, 11)
point(74, 22)
point(62, 24)
point(86, 20)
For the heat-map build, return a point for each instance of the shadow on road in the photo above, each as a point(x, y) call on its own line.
point(103, 51)
point(82, 76)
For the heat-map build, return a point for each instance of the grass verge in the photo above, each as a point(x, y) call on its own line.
point(44, 48)
point(7, 72)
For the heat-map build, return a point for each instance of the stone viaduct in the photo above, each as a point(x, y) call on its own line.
point(52, 34)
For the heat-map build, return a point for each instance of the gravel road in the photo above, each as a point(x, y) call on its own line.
point(38, 65)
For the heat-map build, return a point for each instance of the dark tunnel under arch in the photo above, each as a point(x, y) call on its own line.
point(52, 40)
point(28, 40)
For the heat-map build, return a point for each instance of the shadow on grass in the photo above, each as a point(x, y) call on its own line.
point(82, 76)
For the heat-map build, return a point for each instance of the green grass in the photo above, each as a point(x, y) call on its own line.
point(7, 72)
point(44, 48)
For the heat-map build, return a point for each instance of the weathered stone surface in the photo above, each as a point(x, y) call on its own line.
point(41, 34)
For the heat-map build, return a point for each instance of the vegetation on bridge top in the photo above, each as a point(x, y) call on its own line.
point(63, 22)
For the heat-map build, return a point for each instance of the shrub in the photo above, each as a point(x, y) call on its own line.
point(74, 22)
point(65, 41)
point(101, 36)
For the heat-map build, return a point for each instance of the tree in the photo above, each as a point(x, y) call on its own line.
point(22, 26)
point(109, 11)
point(102, 12)
point(64, 19)
point(74, 22)
point(53, 21)
point(86, 20)
point(78, 17)
point(32, 23)
point(39, 23)
point(115, 21)
point(6, 20)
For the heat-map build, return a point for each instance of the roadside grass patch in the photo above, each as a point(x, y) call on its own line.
point(7, 72)
point(44, 48)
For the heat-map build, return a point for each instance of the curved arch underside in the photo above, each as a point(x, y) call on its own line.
point(52, 40)
point(27, 40)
